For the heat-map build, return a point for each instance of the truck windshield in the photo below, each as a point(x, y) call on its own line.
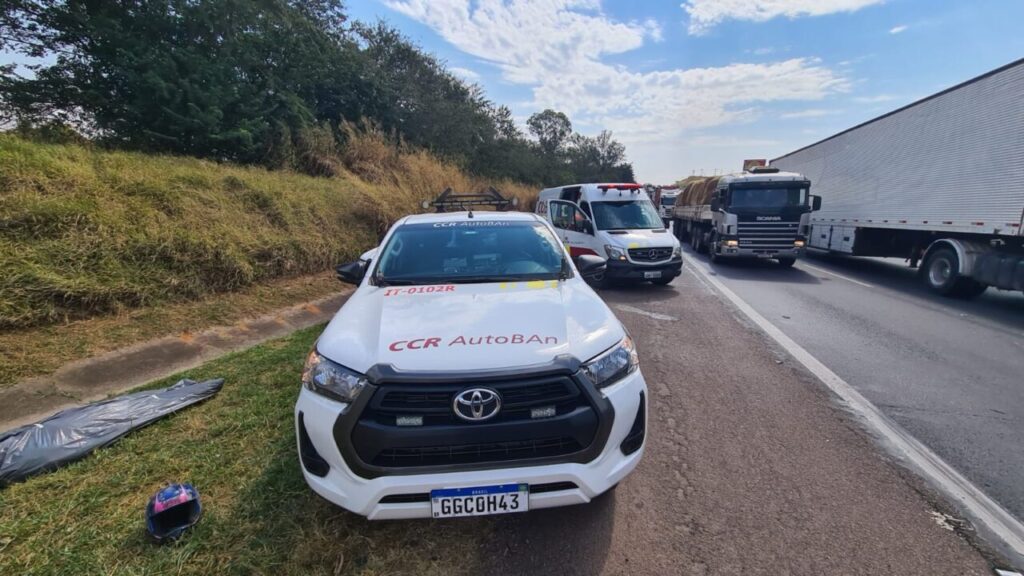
point(768, 197)
point(469, 251)
point(626, 215)
point(668, 200)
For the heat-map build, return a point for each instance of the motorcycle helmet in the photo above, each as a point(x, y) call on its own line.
point(172, 510)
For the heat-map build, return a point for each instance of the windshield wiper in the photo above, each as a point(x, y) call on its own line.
point(382, 281)
point(483, 279)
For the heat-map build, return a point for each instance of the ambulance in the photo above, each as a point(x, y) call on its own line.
point(614, 221)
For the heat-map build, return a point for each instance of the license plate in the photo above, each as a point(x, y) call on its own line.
point(480, 500)
point(653, 274)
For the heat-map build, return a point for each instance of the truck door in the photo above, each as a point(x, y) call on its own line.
point(573, 226)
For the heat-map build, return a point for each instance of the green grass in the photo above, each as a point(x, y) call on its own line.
point(259, 516)
point(86, 231)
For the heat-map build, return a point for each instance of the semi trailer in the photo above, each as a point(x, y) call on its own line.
point(761, 213)
point(939, 182)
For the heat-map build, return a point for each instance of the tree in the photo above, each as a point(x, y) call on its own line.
point(551, 129)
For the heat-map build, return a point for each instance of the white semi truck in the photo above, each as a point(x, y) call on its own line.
point(763, 213)
point(940, 182)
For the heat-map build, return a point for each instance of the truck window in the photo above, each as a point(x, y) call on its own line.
point(768, 197)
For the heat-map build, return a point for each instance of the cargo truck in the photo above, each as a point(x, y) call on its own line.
point(762, 213)
point(939, 182)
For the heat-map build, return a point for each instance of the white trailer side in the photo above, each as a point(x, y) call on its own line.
point(947, 168)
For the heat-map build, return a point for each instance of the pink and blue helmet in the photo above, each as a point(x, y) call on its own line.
point(172, 510)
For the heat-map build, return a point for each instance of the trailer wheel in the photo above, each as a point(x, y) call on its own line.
point(700, 245)
point(941, 273)
point(786, 262)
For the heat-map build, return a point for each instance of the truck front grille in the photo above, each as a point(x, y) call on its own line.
point(414, 425)
point(479, 452)
point(768, 236)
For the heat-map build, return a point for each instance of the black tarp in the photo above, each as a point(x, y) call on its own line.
point(75, 432)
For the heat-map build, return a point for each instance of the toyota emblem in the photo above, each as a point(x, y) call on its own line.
point(477, 404)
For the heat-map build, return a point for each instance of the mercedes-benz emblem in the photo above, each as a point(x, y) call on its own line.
point(653, 254)
point(477, 404)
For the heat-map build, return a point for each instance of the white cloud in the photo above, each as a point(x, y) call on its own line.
point(706, 14)
point(464, 73)
point(810, 113)
point(558, 48)
point(898, 29)
point(654, 29)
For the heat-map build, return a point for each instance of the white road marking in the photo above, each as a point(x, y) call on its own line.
point(804, 264)
point(635, 310)
point(985, 512)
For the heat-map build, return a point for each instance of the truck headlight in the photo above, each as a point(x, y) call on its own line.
point(677, 251)
point(610, 366)
point(732, 243)
point(798, 243)
point(332, 380)
point(614, 252)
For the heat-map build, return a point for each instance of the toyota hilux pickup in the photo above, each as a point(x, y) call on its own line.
point(473, 371)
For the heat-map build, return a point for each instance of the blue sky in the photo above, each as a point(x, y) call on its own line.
point(698, 85)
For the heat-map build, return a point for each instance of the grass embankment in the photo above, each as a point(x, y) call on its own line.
point(259, 516)
point(86, 232)
point(39, 350)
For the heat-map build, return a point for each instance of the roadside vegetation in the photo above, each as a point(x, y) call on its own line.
point(259, 516)
point(86, 231)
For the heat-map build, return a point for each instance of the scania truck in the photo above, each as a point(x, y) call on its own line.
point(939, 182)
point(763, 213)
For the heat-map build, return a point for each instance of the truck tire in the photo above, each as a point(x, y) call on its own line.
point(699, 245)
point(941, 272)
point(786, 262)
point(713, 249)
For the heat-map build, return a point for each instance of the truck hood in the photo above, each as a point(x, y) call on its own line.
point(640, 239)
point(467, 327)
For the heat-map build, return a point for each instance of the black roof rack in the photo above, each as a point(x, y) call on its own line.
point(449, 201)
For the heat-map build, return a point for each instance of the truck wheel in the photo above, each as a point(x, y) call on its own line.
point(700, 247)
point(942, 274)
point(786, 262)
point(713, 250)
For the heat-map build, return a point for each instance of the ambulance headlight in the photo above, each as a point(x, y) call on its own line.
point(612, 365)
point(332, 380)
point(614, 252)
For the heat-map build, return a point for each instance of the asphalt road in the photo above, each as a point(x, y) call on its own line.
point(949, 371)
point(750, 468)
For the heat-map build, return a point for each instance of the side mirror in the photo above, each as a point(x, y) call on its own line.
point(815, 203)
point(592, 268)
point(716, 204)
point(352, 272)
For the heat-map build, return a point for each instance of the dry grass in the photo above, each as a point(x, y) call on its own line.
point(42, 349)
point(85, 232)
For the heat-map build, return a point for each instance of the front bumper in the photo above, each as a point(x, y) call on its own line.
point(403, 495)
point(743, 252)
point(627, 270)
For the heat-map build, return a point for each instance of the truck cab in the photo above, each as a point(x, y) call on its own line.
point(614, 221)
point(666, 201)
point(763, 213)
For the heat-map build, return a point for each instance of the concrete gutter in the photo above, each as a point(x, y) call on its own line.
point(96, 378)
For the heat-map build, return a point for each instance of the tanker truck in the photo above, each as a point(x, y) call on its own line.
point(760, 213)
